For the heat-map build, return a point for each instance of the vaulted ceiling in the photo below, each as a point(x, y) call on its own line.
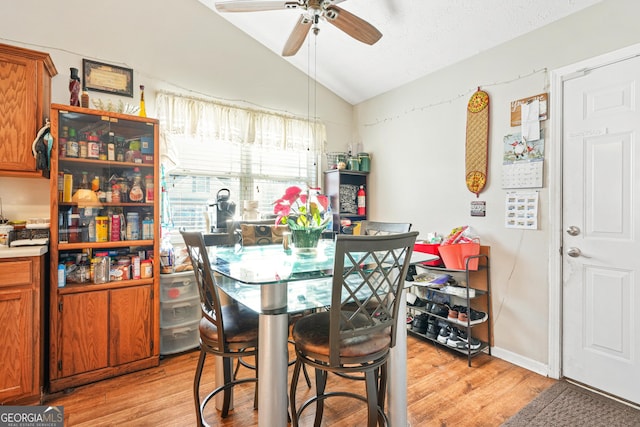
point(419, 37)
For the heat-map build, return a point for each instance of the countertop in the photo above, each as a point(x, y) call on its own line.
point(23, 251)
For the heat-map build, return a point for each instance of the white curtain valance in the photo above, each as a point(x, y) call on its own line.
point(210, 120)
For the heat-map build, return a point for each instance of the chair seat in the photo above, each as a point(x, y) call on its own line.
point(311, 335)
point(240, 325)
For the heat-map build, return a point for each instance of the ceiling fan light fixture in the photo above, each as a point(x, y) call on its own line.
point(331, 14)
point(345, 21)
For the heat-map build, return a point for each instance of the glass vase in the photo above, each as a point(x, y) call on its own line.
point(305, 241)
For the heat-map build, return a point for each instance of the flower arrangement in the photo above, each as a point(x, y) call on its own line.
point(301, 211)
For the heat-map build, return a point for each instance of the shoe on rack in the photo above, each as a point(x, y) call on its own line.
point(415, 301)
point(468, 342)
point(432, 329)
point(454, 338)
point(453, 314)
point(419, 323)
point(409, 319)
point(471, 316)
point(440, 310)
point(445, 331)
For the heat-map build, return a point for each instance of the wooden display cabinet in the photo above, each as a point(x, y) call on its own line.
point(106, 324)
point(25, 85)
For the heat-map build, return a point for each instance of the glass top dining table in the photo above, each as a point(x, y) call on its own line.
point(275, 282)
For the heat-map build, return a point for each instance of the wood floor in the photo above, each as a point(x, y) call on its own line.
point(443, 391)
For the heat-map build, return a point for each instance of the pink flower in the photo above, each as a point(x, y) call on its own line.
point(298, 210)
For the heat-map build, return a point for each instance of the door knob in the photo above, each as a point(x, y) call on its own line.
point(573, 230)
point(574, 252)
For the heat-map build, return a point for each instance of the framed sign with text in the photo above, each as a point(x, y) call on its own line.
point(107, 78)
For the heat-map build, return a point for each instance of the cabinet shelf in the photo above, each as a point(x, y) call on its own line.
point(477, 296)
point(110, 204)
point(104, 245)
point(109, 163)
point(74, 288)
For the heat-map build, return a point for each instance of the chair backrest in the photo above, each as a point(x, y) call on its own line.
point(257, 232)
point(368, 279)
point(374, 228)
point(197, 244)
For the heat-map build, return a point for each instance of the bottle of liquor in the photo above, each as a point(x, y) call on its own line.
point(84, 98)
point(142, 112)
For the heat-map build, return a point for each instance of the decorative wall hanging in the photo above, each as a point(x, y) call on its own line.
point(107, 78)
point(477, 144)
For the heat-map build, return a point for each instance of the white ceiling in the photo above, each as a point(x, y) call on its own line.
point(419, 37)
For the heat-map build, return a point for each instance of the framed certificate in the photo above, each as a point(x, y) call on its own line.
point(107, 78)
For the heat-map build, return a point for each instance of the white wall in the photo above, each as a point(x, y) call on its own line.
point(180, 46)
point(416, 136)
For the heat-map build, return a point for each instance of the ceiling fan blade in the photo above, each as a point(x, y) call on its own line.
point(254, 5)
point(356, 27)
point(297, 37)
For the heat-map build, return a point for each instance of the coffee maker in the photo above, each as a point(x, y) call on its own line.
point(220, 211)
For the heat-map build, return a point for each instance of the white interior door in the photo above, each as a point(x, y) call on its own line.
point(601, 223)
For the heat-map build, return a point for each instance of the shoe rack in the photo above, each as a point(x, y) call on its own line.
point(473, 291)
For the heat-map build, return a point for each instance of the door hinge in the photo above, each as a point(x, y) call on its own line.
point(59, 365)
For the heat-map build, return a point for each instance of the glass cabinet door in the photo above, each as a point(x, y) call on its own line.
point(106, 196)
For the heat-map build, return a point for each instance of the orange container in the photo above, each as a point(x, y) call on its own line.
point(454, 256)
point(429, 248)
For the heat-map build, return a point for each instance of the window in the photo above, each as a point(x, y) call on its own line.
point(255, 156)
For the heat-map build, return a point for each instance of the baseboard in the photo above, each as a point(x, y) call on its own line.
point(518, 360)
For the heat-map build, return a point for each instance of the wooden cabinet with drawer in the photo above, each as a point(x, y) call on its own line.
point(21, 341)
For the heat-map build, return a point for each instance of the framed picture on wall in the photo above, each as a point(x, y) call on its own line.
point(107, 78)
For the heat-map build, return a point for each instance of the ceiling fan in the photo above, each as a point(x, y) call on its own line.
point(313, 11)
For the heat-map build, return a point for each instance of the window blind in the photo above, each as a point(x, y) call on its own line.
point(255, 156)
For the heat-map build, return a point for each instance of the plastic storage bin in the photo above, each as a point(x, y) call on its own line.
point(429, 248)
point(179, 312)
point(178, 286)
point(179, 338)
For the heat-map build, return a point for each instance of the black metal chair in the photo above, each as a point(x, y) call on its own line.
point(357, 333)
point(227, 330)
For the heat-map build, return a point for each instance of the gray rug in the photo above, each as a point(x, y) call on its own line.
point(565, 404)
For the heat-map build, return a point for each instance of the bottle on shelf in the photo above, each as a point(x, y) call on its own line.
point(72, 144)
point(92, 229)
point(143, 111)
point(147, 227)
point(148, 188)
point(84, 98)
point(84, 268)
point(62, 276)
point(84, 183)
point(136, 194)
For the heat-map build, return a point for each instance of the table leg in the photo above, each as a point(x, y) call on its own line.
point(397, 383)
point(272, 358)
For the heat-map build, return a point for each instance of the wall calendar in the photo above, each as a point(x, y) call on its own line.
point(523, 161)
